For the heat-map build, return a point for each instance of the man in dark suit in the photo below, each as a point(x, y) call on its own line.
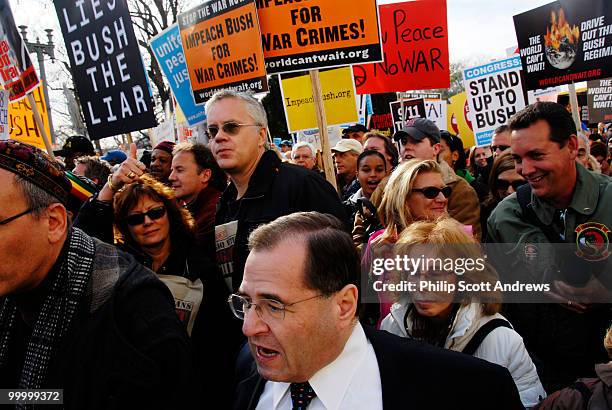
point(299, 300)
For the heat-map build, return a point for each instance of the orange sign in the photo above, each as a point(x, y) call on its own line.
point(298, 35)
point(22, 126)
point(221, 42)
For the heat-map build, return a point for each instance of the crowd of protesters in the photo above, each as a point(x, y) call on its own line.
point(132, 285)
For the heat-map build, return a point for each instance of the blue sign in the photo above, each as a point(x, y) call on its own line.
point(168, 51)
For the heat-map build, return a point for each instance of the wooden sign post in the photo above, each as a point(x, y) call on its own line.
point(322, 123)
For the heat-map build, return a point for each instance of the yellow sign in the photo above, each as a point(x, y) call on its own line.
point(22, 126)
point(458, 122)
point(338, 90)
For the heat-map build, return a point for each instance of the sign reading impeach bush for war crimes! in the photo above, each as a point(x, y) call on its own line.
point(495, 93)
point(222, 46)
point(106, 66)
point(168, 52)
point(565, 41)
point(415, 45)
point(599, 97)
point(301, 35)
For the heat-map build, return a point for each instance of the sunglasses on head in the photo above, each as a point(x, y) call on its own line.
point(139, 218)
point(432, 192)
point(500, 147)
point(503, 184)
point(230, 128)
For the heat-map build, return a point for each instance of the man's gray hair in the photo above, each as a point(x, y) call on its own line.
point(37, 198)
point(254, 107)
point(301, 144)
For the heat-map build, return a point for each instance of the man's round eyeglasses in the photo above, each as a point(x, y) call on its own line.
point(12, 218)
point(230, 128)
point(267, 309)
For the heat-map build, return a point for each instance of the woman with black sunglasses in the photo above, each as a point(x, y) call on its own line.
point(503, 181)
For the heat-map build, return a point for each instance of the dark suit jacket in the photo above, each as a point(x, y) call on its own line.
point(415, 376)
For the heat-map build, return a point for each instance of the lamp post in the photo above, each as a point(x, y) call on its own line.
point(41, 49)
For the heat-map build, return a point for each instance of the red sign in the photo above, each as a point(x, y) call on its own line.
point(415, 49)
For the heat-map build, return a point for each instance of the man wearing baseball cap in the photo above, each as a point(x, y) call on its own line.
point(345, 154)
point(420, 138)
point(355, 132)
point(74, 147)
point(161, 161)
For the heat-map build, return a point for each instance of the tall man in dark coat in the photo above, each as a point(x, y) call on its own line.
point(262, 187)
point(308, 349)
point(76, 313)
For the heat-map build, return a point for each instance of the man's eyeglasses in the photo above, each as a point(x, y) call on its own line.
point(230, 128)
point(12, 218)
point(267, 309)
point(503, 184)
point(139, 218)
point(499, 147)
point(432, 192)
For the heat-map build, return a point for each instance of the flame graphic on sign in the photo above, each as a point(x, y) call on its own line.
point(560, 30)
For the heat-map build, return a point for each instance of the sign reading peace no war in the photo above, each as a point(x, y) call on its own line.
point(338, 91)
point(107, 66)
point(222, 46)
point(565, 41)
point(415, 45)
point(495, 93)
point(300, 35)
point(22, 126)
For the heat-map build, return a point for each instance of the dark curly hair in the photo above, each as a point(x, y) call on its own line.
point(182, 224)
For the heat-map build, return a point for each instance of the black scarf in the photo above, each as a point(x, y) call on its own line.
point(56, 314)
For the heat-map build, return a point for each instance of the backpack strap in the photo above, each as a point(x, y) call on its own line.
point(584, 390)
point(483, 332)
point(523, 196)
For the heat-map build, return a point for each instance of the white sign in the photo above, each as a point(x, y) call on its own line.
point(495, 93)
point(163, 132)
point(436, 111)
point(4, 119)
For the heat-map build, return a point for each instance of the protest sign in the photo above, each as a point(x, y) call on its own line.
point(459, 121)
point(412, 95)
point(312, 136)
point(107, 66)
point(168, 51)
point(435, 110)
point(495, 93)
point(320, 34)
point(565, 41)
point(22, 124)
point(222, 46)
point(17, 73)
point(163, 132)
point(415, 46)
point(4, 119)
point(402, 111)
point(338, 92)
point(599, 96)
point(381, 123)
